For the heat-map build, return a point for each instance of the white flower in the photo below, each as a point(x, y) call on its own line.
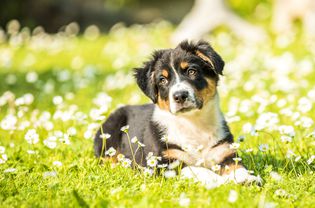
point(286, 139)
point(125, 128)
point(249, 150)
point(9, 122)
point(51, 142)
point(270, 205)
point(169, 173)
point(141, 144)
point(162, 165)
point(233, 195)
point(111, 152)
point(152, 162)
point(72, 131)
point(65, 139)
point(120, 157)
point(105, 136)
point(264, 147)
point(3, 158)
point(88, 134)
point(297, 158)
point(305, 105)
point(31, 152)
point(164, 139)
point(216, 168)
point(281, 193)
point(9, 170)
point(97, 114)
point(134, 140)
point(148, 172)
point(290, 154)
point(174, 164)
point(184, 201)
point(126, 163)
point(57, 163)
point(275, 176)
point(306, 122)
point(311, 159)
point(31, 136)
point(31, 77)
point(237, 159)
point(2, 149)
point(267, 120)
point(102, 99)
point(287, 130)
point(57, 100)
point(234, 146)
point(248, 128)
point(49, 174)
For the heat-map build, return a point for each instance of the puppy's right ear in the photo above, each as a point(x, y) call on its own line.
point(145, 76)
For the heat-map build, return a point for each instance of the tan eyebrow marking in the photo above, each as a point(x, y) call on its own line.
point(183, 65)
point(205, 58)
point(165, 73)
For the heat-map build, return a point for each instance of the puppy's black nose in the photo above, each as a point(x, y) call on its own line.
point(180, 96)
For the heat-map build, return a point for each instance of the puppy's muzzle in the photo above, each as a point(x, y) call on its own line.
point(181, 97)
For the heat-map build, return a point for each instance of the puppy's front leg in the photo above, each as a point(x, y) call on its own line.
point(179, 155)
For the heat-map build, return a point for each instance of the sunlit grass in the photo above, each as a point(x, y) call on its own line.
point(259, 78)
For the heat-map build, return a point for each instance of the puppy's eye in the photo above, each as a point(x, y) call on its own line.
point(162, 80)
point(192, 72)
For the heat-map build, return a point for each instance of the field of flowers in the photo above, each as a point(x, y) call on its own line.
point(55, 90)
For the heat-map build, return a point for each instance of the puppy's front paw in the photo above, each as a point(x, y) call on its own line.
point(203, 175)
point(241, 175)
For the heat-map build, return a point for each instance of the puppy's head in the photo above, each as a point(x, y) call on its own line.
point(181, 79)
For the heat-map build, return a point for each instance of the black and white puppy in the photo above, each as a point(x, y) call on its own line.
point(182, 83)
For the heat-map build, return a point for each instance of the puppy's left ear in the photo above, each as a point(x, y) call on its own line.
point(204, 50)
point(145, 76)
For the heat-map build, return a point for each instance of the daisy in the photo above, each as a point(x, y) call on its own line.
point(134, 140)
point(264, 147)
point(57, 163)
point(152, 162)
point(120, 157)
point(31, 136)
point(124, 128)
point(234, 146)
point(111, 152)
point(216, 168)
point(126, 163)
point(105, 136)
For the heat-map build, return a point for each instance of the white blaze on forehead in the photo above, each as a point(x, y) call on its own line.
point(173, 68)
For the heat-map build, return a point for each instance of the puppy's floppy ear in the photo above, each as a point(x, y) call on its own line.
point(145, 76)
point(204, 50)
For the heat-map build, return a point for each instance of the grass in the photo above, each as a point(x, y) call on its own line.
point(259, 78)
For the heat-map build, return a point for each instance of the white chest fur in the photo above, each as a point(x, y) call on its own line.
point(195, 132)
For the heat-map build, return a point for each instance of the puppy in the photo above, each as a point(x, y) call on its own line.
point(182, 83)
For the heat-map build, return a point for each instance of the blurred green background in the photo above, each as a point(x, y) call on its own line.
point(54, 14)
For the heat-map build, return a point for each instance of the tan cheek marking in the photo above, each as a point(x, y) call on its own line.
point(205, 58)
point(183, 65)
point(163, 104)
point(209, 92)
point(165, 73)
